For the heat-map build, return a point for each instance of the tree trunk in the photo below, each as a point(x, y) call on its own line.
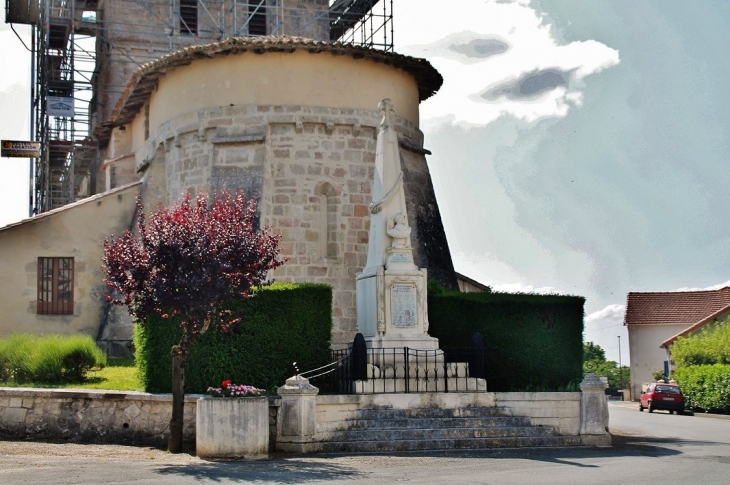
point(174, 445)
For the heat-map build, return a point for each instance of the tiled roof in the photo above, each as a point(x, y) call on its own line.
point(689, 307)
point(144, 80)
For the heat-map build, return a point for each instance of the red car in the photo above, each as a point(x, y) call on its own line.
point(660, 395)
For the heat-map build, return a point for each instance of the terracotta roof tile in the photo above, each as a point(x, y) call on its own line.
point(675, 307)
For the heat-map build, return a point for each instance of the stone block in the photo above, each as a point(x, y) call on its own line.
point(14, 415)
point(232, 428)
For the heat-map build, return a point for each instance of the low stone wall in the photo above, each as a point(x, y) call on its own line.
point(559, 410)
point(136, 418)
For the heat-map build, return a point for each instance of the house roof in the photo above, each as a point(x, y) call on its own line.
point(144, 80)
point(695, 308)
point(479, 285)
point(68, 207)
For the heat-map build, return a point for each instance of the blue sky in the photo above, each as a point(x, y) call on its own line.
point(578, 146)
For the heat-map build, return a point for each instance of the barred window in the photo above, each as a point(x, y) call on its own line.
point(55, 285)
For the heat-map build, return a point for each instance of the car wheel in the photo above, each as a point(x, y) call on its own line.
point(651, 408)
point(641, 408)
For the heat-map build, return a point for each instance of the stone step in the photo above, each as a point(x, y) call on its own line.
point(426, 434)
point(390, 413)
point(439, 423)
point(445, 444)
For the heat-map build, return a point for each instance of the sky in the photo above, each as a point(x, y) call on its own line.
point(579, 147)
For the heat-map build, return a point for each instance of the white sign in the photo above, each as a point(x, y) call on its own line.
point(60, 106)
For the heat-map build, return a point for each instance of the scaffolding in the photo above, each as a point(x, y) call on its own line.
point(84, 52)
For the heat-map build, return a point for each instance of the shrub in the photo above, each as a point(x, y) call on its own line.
point(705, 387)
point(710, 346)
point(282, 324)
point(533, 341)
point(50, 359)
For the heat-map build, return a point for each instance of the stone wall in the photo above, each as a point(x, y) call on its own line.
point(559, 410)
point(312, 169)
point(134, 418)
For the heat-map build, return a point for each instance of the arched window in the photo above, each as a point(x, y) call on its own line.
point(327, 221)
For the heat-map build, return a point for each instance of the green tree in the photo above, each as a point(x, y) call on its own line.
point(594, 360)
point(708, 347)
point(187, 261)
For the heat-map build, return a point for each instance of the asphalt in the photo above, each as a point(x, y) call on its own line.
point(635, 405)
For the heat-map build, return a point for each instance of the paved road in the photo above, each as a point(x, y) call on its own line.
point(650, 448)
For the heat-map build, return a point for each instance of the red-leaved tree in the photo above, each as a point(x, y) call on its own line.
point(187, 260)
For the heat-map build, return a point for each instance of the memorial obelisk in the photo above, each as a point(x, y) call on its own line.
point(391, 290)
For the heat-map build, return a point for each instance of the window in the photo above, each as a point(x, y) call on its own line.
point(55, 285)
point(189, 17)
point(327, 221)
point(257, 20)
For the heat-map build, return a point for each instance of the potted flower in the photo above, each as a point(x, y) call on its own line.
point(232, 422)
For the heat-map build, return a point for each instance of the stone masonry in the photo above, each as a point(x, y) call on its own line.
point(312, 170)
point(121, 417)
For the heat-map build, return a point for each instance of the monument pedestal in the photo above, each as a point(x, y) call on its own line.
point(391, 309)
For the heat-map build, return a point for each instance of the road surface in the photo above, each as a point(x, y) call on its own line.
point(649, 448)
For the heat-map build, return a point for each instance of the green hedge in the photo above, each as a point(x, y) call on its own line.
point(534, 342)
point(705, 387)
point(49, 359)
point(282, 324)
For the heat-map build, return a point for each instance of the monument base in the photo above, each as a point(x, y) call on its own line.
point(398, 341)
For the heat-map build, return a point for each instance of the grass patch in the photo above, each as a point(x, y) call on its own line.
point(118, 375)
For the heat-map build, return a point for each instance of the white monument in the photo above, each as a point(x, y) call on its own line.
point(391, 290)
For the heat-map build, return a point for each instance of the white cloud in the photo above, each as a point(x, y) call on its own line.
point(611, 312)
point(446, 41)
point(604, 326)
point(707, 288)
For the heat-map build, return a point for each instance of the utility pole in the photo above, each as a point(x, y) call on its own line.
point(620, 367)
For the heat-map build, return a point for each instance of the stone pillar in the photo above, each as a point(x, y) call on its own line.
point(298, 415)
point(594, 412)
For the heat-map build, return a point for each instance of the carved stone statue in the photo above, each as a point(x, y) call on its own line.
point(399, 230)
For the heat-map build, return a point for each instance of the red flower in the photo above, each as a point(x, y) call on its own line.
point(226, 383)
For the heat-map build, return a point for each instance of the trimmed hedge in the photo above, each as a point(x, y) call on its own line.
point(705, 387)
point(49, 359)
point(282, 324)
point(534, 342)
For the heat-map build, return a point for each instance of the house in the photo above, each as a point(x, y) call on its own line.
point(53, 280)
point(656, 319)
point(468, 285)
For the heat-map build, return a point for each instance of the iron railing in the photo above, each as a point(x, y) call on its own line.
point(401, 370)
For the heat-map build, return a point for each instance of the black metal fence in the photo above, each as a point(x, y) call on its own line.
point(359, 370)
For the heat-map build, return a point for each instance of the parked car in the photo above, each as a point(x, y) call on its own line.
point(660, 395)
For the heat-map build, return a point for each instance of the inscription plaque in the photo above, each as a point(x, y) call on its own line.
point(401, 258)
point(403, 305)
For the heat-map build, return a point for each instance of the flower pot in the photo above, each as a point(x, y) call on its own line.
point(232, 427)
